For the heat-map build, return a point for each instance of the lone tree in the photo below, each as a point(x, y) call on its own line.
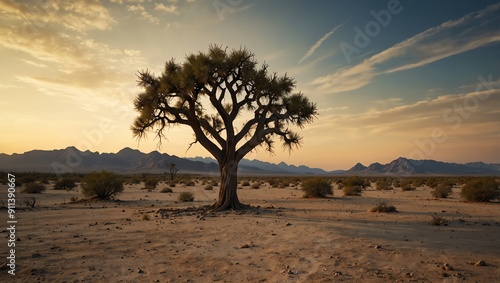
point(236, 90)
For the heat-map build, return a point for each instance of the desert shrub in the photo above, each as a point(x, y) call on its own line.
point(150, 184)
point(245, 183)
point(44, 181)
point(73, 199)
point(396, 183)
point(186, 196)
point(145, 217)
point(408, 187)
point(190, 183)
point(103, 185)
point(30, 202)
point(33, 188)
point(354, 181)
point(166, 190)
point(65, 183)
point(480, 190)
point(27, 179)
point(352, 191)
point(383, 207)
point(316, 187)
point(441, 191)
point(382, 185)
point(215, 183)
point(135, 180)
point(208, 188)
point(255, 185)
point(438, 220)
point(172, 184)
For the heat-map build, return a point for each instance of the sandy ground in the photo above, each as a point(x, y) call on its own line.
point(291, 239)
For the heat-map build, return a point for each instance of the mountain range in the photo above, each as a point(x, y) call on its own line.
point(129, 161)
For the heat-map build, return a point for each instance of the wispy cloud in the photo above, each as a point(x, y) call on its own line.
point(472, 31)
point(318, 43)
point(169, 8)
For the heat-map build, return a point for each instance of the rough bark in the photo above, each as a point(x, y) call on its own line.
point(228, 197)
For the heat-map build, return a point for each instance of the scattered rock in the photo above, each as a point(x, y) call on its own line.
point(337, 273)
point(288, 224)
point(36, 255)
point(447, 266)
point(377, 247)
point(245, 246)
point(481, 263)
point(140, 270)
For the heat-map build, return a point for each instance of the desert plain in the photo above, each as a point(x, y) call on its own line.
point(287, 238)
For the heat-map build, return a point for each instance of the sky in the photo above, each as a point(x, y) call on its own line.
point(417, 79)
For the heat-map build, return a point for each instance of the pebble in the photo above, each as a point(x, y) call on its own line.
point(481, 263)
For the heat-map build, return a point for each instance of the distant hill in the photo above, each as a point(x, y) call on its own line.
point(128, 161)
point(404, 166)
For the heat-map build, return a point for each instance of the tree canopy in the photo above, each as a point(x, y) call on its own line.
point(232, 104)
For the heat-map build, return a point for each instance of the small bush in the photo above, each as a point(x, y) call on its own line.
point(383, 207)
point(150, 184)
point(245, 183)
point(438, 220)
point(352, 191)
point(208, 188)
point(33, 188)
point(103, 185)
point(172, 184)
point(316, 187)
point(480, 190)
point(382, 185)
point(441, 191)
point(64, 184)
point(255, 185)
point(73, 199)
point(190, 183)
point(353, 181)
point(145, 217)
point(30, 202)
point(408, 187)
point(166, 190)
point(186, 196)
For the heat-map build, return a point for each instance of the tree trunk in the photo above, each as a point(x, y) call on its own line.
point(228, 194)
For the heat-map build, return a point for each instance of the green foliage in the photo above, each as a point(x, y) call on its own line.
point(383, 207)
point(65, 183)
point(382, 185)
point(353, 181)
point(150, 184)
point(186, 196)
point(441, 191)
point(33, 188)
point(103, 185)
point(481, 190)
point(352, 191)
point(316, 188)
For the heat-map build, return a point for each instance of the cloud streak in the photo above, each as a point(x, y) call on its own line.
point(318, 43)
point(472, 31)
